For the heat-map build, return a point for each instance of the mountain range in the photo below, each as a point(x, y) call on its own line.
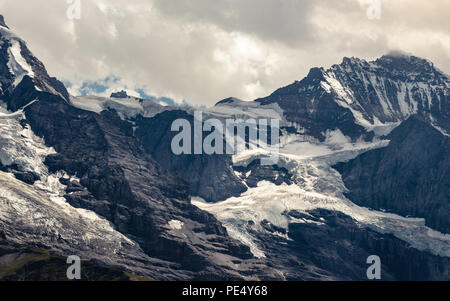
point(362, 170)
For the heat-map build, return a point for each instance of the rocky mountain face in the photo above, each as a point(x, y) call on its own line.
point(209, 177)
point(255, 172)
point(306, 103)
point(408, 177)
point(23, 263)
point(97, 177)
point(411, 176)
point(20, 70)
point(2, 22)
point(357, 96)
point(334, 246)
point(118, 180)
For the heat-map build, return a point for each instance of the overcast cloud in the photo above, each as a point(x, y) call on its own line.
point(206, 50)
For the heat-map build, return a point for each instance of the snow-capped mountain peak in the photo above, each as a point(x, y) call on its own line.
point(368, 94)
point(97, 176)
point(22, 69)
point(389, 89)
point(2, 22)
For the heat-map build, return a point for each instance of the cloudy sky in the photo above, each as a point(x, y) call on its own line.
point(202, 51)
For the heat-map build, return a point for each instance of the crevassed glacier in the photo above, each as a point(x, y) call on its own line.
point(317, 185)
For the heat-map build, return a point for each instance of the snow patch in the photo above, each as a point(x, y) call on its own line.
point(41, 209)
point(20, 146)
point(317, 186)
point(126, 107)
point(176, 224)
point(245, 110)
point(17, 64)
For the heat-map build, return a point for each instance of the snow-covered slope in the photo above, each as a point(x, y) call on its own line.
point(103, 183)
point(238, 109)
point(20, 63)
point(40, 212)
point(364, 98)
point(127, 108)
point(388, 90)
point(18, 144)
point(337, 115)
point(316, 185)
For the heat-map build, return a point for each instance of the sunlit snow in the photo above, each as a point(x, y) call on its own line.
point(318, 186)
point(41, 208)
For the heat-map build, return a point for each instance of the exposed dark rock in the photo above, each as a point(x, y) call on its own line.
point(25, 263)
point(410, 177)
point(120, 94)
point(2, 22)
point(22, 95)
point(314, 109)
point(386, 90)
point(331, 245)
point(27, 177)
point(208, 176)
point(24, 176)
point(126, 185)
point(254, 173)
point(272, 228)
point(41, 78)
point(228, 100)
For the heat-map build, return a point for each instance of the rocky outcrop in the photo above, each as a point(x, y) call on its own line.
point(254, 173)
point(24, 176)
point(125, 185)
point(120, 94)
point(356, 95)
point(325, 244)
point(118, 179)
point(2, 22)
point(24, 263)
point(410, 177)
point(208, 176)
point(307, 104)
point(21, 72)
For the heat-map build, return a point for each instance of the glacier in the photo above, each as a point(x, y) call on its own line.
point(40, 212)
point(317, 185)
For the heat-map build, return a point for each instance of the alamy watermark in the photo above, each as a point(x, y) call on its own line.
point(374, 270)
point(73, 12)
point(229, 136)
point(373, 11)
point(74, 270)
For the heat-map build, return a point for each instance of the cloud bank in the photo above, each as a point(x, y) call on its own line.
point(202, 51)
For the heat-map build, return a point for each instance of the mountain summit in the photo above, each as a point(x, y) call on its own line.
point(358, 97)
point(22, 76)
point(2, 22)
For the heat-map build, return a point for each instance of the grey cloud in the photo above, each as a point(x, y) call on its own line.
point(204, 50)
point(279, 20)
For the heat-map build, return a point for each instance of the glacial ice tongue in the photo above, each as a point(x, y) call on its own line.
point(317, 185)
